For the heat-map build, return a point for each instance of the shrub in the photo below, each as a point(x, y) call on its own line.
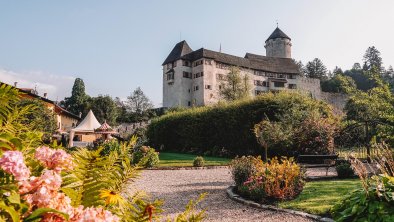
point(227, 126)
point(198, 161)
point(297, 133)
point(277, 180)
point(375, 201)
point(145, 156)
point(344, 169)
point(242, 168)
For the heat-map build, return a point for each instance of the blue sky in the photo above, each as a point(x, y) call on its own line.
point(116, 46)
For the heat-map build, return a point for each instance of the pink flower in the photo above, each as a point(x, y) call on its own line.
point(92, 214)
point(13, 163)
point(43, 190)
point(57, 160)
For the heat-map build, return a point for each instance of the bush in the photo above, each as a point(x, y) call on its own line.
point(242, 168)
point(344, 169)
point(276, 180)
point(375, 202)
point(198, 161)
point(145, 156)
point(227, 126)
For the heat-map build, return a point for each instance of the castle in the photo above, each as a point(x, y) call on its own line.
point(192, 78)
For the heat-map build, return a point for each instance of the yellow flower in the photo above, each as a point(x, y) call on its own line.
point(111, 197)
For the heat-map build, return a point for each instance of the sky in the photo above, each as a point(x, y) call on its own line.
point(117, 46)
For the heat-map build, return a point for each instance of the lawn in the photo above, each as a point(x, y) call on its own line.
point(180, 159)
point(319, 196)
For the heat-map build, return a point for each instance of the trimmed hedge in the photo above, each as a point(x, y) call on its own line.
point(226, 129)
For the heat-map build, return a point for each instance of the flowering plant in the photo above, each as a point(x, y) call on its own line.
point(275, 180)
point(30, 198)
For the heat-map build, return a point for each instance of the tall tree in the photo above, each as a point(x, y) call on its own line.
point(123, 116)
point(316, 69)
point(338, 84)
point(301, 67)
point(235, 86)
point(138, 102)
point(356, 66)
point(371, 108)
point(79, 101)
point(104, 108)
point(372, 59)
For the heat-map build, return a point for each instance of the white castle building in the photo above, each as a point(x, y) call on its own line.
point(192, 78)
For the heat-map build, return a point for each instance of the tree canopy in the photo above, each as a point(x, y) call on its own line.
point(79, 100)
point(316, 69)
point(235, 86)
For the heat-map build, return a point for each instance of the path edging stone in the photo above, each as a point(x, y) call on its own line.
point(232, 195)
point(186, 168)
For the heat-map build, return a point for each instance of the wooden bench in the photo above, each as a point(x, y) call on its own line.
point(317, 161)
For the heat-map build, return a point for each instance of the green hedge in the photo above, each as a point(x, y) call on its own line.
point(225, 129)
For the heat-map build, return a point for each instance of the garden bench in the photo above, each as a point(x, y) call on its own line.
point(316, 161)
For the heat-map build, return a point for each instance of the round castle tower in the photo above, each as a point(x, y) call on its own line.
point(278, 45)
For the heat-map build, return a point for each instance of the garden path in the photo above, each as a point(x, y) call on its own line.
point(177, 187)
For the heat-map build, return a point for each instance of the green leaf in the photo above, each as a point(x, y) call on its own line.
point(14, 198)
point(11, 211)
point(41, 211)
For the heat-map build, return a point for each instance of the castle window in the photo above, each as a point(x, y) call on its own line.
point(208, 87)
point(170, 76)
point(292, 86)
point(187, 75)
point(291, 76)
point(220, 76)
point(174, 64)
point(265, 83)
point(279, 84)
point(186, 63)
point(258, 92)
point(202, 73)
point(281, 76)
point(189, 103)
point(169, 65)
point(208, 62)
point(198, 63)
point(196, 88)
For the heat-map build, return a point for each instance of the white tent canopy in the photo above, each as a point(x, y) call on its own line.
point(88, 125)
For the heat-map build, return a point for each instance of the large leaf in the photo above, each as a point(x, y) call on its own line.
point(41, 211)
point(11, 211)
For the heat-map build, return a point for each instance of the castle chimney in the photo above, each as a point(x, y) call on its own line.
point(15, 84)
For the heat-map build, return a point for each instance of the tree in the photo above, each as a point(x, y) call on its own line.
point(337, 71)
point(79, 101)
point(104, 108)
point(235, 86)
point(139, 105)
point(123, 115)
point(372, 59)
point(316, 69)
point(338, 84)
point(40, 118)
point(301, 67)
point(356, 66)
point(371, 108)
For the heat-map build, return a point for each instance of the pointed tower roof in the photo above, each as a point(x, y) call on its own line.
point(88, 124)
point(278, 34)
point(180, 49)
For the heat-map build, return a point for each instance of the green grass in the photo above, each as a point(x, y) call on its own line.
point(180, 159)
point(319, 196)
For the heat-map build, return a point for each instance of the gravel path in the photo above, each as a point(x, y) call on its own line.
point(177, 187)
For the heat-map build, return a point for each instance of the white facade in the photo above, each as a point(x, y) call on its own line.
point(192, 78)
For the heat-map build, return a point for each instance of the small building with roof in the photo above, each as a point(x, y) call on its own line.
point(64, 118)
point(193, 77)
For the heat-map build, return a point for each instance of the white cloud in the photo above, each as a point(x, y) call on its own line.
point(57, 86)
